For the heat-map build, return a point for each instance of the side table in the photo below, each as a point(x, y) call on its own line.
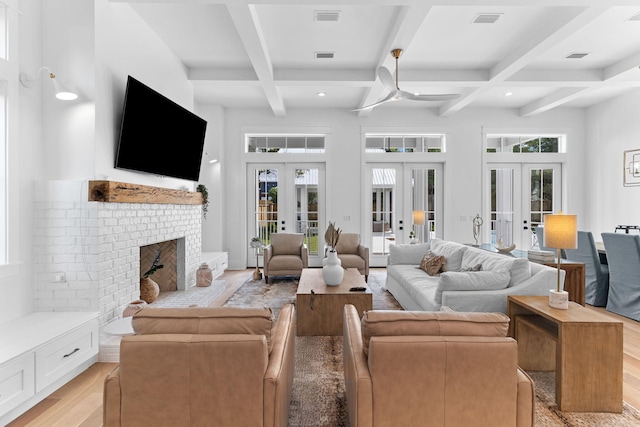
point(583, 347)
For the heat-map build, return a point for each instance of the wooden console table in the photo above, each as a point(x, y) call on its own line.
point(583, 347)
point(320, 307)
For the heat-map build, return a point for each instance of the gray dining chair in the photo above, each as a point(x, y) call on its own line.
point(596, 274)
point(623, 256)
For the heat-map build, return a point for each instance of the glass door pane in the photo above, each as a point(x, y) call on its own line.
point(502, 205)
point(265, 204)
point(306, 222)
point(424, 200)
point(543, 187)
point(383, 207)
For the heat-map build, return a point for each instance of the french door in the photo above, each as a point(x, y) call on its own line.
point(517, 196)
point(400, 198)
point(286, 198)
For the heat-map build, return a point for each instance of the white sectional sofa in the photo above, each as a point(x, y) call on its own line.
point(457, 287)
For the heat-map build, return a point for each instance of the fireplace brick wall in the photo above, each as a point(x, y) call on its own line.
point(97, 247)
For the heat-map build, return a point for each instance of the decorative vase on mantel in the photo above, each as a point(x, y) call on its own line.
point(332, 271)
point(149, 290)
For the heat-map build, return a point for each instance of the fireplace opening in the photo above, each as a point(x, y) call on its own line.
point(171, 256)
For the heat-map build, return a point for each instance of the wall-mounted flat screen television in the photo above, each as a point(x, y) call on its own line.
point(159, 136)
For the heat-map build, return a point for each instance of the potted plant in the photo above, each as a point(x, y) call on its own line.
point(149, 290)
point(201, 188)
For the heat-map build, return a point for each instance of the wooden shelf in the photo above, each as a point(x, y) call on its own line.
point(122, 192)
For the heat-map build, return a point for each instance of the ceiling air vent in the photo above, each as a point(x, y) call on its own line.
point(327, 15)
point(577, 55)
point(324, 55)
point(486, 18)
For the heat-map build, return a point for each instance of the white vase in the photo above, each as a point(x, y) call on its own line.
point(332, 271)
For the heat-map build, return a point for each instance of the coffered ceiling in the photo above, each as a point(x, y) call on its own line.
point(262, 53)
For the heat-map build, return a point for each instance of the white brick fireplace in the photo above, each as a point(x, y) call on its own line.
point(87, 254)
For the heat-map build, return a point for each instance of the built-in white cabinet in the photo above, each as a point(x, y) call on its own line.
point(218, 262)
point(41, 352)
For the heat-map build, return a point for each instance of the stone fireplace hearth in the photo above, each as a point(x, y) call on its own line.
point(94, 247)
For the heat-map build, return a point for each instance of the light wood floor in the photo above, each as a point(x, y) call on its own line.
point(79, 402)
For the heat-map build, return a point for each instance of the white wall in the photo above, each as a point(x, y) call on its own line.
point(125, 45)
point(344, 169)
point(611, 128)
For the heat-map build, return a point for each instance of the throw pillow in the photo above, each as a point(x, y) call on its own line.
point(433, 264)
point(476, 281)
point(452, 251)
point(407, 254)
point(477, 267)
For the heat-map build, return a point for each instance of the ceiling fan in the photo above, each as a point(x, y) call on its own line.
point(396, 94)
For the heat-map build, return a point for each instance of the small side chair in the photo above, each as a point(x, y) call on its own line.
point(286, 255)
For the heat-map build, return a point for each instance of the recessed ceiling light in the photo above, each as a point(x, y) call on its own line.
point(508, 93)
point(326, 15)
point(324, 55)
point(577, 55)
point(486, 18)
point(322, 94)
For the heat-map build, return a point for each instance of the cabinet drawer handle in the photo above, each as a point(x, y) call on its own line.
point(77, 349)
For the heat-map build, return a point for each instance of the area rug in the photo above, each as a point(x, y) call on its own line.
point(318, 395)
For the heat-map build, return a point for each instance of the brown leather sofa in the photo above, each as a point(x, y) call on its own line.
point(353, 254)
point(203, 367)
point(406, 368)
point(286, 255)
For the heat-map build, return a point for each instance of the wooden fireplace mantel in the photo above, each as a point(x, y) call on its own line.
point(122, 192)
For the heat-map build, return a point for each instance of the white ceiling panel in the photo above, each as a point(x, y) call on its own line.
point(260, 53)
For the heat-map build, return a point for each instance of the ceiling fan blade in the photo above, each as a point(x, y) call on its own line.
point(388, 98)
point(387, 79)
point(426, 97)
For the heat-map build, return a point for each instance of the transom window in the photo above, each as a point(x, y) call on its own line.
point(285, 144)
point(525, 144)
point(404, 143)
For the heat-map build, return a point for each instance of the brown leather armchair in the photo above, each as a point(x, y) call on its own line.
point(287, 255)
point(353, 254)
point(406, 368)
point(203, 367)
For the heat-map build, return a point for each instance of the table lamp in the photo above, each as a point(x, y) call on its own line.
point(560, 232)
point(257, 244)
point(418, 219)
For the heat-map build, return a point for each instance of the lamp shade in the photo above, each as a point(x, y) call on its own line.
point(418, 217)
point(561, 231)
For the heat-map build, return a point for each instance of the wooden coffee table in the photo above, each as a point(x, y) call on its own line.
point(320, 312)
point(583, 347)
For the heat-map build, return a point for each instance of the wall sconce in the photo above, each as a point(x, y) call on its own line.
point(61, 92)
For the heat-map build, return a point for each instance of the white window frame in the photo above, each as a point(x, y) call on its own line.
point(9, 143)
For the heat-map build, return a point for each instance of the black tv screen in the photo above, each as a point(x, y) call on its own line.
point(159, 136)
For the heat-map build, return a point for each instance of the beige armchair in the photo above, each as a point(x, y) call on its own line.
point(406, 368)
point(287, 255)
point(203, 367)
point(353, 254)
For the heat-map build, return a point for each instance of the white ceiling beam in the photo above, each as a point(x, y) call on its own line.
point(553, 100)
point(616, 70)
point(246, 22)
point(556, 29)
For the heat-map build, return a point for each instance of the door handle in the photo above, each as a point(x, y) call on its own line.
point(525, 228)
